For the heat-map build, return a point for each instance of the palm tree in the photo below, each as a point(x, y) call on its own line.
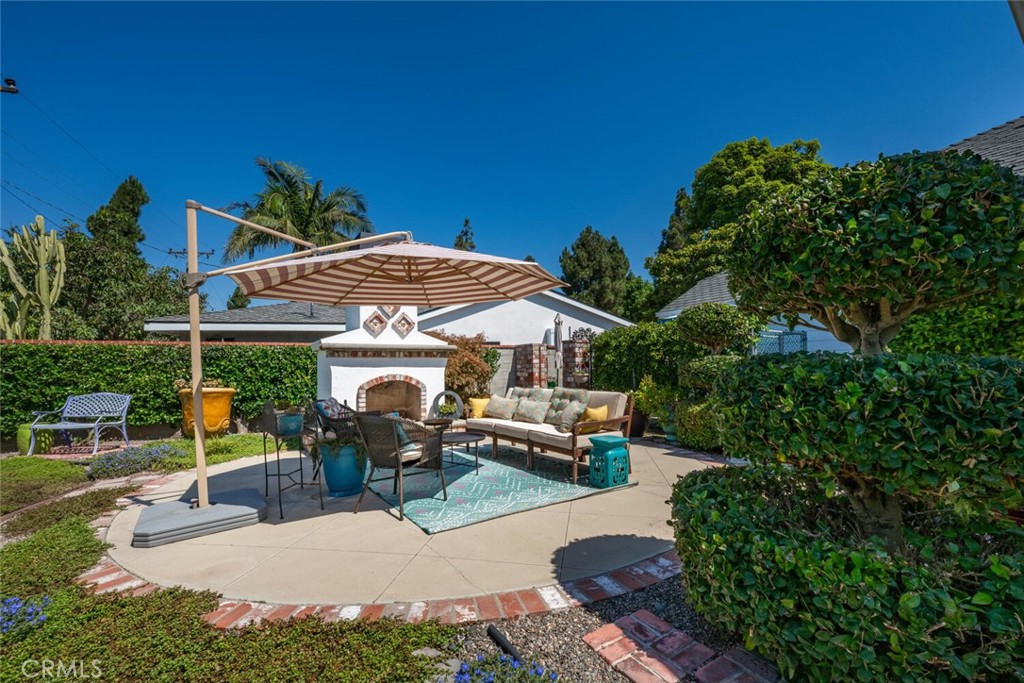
point(291, 204)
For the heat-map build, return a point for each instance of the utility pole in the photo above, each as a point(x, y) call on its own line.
point(9, 86)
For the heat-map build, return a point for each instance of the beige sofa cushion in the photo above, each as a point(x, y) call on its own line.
point(558, 440)
point(615, 401)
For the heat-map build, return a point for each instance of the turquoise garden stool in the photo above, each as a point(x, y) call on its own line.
point(609, 461)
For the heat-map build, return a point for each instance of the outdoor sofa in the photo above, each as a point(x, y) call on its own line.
point(547, 435)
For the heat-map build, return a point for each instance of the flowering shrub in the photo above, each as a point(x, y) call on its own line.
point(18, 613)
point(132, 460)
point(503, 669)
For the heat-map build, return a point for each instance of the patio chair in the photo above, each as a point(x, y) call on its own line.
point(399, 445)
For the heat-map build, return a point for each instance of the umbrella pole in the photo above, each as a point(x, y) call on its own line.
point(196, 347)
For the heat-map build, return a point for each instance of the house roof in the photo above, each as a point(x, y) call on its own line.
point(1003, 144)
point(289, 313)
point(714, 288)
point(427, 314)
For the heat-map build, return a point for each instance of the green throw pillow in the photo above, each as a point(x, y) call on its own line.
point(501, 408)
point(571, 416)
point(531, 411)
point(554, 416)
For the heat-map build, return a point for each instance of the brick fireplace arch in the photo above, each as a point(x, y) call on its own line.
point(361, 394)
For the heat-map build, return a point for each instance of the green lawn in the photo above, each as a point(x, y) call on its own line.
point(27, 480)
point(218, 450)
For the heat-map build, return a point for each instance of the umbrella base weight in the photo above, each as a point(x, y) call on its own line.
point(177, 520)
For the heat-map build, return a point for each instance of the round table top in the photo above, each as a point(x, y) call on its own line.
point(462, 437)
point(438, 422)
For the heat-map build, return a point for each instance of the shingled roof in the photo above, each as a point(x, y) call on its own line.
point(290, 313)
point(712, 288)
point(1003, 144)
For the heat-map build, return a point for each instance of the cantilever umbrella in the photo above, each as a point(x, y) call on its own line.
point(406, 273)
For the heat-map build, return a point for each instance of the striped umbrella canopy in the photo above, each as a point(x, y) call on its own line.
point(405, 273)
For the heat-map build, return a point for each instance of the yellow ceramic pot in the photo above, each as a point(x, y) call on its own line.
point(216, 410)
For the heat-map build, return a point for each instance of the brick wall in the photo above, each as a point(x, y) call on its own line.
point(530, 365)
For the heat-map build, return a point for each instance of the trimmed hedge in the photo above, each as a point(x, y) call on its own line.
point(40, 375)
point(768, 555)
point(625, 355)
point(927, 427)
point(697, 425)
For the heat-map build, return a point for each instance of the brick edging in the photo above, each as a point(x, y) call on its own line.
point(108, 576)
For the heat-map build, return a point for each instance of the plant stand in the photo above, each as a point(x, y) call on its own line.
point(278, 426)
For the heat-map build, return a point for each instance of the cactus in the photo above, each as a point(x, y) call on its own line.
point(45, 253)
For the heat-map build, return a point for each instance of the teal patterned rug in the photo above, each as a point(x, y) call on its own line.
point(503, 487)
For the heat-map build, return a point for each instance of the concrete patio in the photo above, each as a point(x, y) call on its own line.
point(333, 556)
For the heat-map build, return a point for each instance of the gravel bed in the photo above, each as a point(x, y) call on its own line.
point(555, 639)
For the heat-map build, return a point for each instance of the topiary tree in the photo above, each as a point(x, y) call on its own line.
point(860, 249)
point(884, 430)
point(717, 326)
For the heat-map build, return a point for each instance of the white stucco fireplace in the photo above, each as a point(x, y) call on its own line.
point(382, 362)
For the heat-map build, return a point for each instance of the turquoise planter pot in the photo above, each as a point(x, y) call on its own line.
point(343, 470)
point(669, 427)
point(288, 424)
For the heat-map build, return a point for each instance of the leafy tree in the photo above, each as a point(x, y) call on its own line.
point(596, 267)
point(702, 225)
point(118, 219)
point(238, 300)
point(464, 240)
point(291, 204)
point(676, 234)
point(529, 258)
point(860, 249)
point(637, 300)
point(110, 290)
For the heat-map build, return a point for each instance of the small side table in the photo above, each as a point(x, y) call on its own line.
point(465, 439)
point(609, 461)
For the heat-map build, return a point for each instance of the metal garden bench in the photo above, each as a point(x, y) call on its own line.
point(95, 412)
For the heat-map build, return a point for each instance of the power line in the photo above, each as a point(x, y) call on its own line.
point(37, 197)
point(46, 160)
point(66, 132)
point(34, 209)
point(43, 178)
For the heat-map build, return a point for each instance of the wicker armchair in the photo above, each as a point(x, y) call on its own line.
point(399, 445)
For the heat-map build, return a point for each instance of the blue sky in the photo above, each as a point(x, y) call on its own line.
point(534, 120)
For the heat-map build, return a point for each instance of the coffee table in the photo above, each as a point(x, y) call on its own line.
point(465, 439)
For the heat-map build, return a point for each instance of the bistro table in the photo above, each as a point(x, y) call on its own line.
point(465, 439)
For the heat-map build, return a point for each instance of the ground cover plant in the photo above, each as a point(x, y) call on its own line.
point(89, 505)
point(163, 636)
point(132, 460)
point(27, 480)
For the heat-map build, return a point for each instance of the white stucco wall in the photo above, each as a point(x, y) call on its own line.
point(516, 322)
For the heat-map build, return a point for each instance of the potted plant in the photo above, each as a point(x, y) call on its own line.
point(216, 406)
point(344, 462)
point(448, 410)
point(660, 402)
point(289, 418)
